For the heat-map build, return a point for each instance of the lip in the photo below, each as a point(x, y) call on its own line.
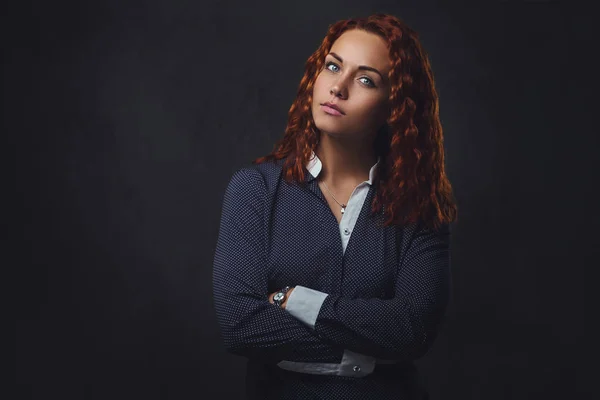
point(332, 109)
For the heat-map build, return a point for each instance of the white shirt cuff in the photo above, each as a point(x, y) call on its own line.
point(305, 304)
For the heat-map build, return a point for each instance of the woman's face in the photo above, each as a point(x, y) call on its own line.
point(361, 93)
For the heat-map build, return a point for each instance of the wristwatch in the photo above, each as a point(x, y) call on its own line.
point(279, 297)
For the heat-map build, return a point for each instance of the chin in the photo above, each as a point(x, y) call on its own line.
point(335, 133)
point(331, 125)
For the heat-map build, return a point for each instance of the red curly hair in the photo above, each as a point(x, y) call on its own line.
point(411, 181)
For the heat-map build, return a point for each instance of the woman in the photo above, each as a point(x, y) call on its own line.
point(332, 267)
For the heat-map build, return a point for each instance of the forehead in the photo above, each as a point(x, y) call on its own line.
point(362, 48)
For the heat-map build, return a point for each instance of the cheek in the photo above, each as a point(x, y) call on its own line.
point(372, 110)
point(368, 116)
point(381, 111)
point(320, 83)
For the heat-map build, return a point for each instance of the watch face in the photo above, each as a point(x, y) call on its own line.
point(278, 296)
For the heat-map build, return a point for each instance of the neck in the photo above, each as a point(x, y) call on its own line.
point(345, 162)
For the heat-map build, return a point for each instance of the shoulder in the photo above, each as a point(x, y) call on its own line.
point(245, 183)
point(253, 180)
point(437, 235)
point(420, 229)
point(270, 170)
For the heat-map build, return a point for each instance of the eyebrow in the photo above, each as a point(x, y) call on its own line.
point(364, 67)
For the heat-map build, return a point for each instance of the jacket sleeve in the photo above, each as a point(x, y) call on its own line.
point(401, 328)
point(250, 325)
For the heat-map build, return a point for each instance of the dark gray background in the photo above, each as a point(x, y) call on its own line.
point(127, 120)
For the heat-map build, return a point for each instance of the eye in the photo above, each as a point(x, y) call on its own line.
point(368, 83)
point(331, 63)
point(371, 84)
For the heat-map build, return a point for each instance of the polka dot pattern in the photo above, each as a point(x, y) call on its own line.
point(387, 293)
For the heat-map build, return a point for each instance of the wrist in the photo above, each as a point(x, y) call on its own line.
point(287, 296)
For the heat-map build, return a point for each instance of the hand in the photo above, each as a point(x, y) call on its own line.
point(287, 295)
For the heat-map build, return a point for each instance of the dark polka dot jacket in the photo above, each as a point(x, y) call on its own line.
point(365, 304)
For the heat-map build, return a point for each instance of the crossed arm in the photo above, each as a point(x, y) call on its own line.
point(250, 325)
point(316, 323)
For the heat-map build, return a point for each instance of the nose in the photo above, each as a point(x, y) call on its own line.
point(339, 89)
point(336, 91)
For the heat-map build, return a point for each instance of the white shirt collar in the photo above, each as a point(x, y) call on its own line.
point(314, 166)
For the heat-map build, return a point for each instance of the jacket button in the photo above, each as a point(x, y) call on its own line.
point(356, 368)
